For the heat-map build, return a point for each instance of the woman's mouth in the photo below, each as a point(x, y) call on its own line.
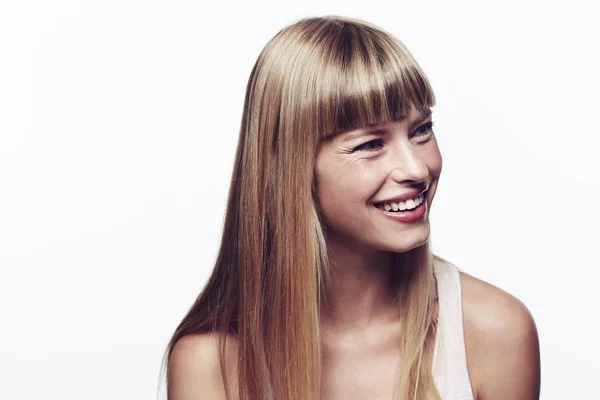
point(399, 206)
point(408, 211)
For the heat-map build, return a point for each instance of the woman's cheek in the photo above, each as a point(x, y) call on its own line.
point(434, 160)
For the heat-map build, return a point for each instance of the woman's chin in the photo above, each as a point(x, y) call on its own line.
point(407, 242)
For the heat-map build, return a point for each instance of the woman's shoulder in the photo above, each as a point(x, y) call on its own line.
point(194, 370)
point(501, 342)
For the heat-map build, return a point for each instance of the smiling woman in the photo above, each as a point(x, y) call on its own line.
point(390, 167)
point(325, 286)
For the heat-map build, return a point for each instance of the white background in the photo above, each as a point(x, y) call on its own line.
point(118, 125)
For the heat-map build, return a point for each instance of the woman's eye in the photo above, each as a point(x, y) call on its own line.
point(370, 146)
point(424, 129)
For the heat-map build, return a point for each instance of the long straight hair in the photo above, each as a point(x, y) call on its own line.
point(316, 78)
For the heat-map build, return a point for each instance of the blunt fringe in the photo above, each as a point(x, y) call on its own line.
point(315, 79)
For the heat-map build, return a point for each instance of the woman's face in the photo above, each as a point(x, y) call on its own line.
point(362, 173)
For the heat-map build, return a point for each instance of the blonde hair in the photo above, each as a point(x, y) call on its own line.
point(314, 79)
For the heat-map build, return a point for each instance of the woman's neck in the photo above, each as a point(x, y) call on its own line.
point(361, 289)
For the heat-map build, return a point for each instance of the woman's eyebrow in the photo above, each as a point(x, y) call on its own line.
point(364, 132)
point(421, 118)
point(380, 131)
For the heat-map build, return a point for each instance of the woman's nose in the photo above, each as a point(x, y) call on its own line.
point(408, 164)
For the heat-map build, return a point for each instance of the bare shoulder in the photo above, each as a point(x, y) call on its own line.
point(502, 343)
point(195, 368)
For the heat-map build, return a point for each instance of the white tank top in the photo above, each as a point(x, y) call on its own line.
point(450, 360)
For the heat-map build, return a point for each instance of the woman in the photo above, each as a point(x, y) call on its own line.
point(325, 286)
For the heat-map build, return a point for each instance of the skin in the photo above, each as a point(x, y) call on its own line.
point(359, 325)
point(385, 161)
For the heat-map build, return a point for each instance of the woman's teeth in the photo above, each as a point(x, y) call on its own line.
point(402, 205)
